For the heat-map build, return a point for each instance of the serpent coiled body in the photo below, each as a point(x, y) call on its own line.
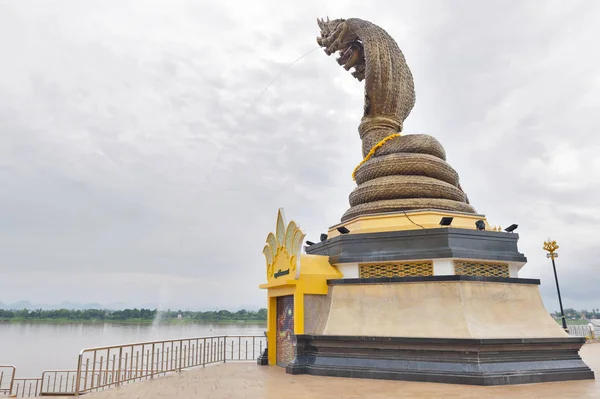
point(400, 172)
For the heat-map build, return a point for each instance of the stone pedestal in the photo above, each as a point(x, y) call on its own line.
point(419, 302)
point(450, 329)
point(263, 359)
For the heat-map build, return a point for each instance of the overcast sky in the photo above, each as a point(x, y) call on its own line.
point(145, 146)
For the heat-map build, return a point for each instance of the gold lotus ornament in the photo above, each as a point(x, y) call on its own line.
point(283, 249)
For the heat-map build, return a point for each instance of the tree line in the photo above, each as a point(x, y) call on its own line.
point(579, 314)
point(132, 314)
point(168, 315)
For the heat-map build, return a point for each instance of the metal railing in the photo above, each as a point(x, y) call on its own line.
point(581, 331)
point(58, 382)
point(111, 366)
point(7, 377)
point(26, 387)
point(52, 382)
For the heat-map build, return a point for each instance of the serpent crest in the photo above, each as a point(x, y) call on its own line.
point(398, 172)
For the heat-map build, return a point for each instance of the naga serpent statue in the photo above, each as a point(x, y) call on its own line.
point(398, 173)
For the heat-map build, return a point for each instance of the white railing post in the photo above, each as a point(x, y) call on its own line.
point(78, 374)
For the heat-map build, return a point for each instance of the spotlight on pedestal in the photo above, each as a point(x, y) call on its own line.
point(480, 224)
point(310, 243)
point(446, 221)
point(323, 237)
point(511, 228)
point(343, 230)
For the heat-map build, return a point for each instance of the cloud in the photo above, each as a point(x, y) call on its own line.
point(145, 146)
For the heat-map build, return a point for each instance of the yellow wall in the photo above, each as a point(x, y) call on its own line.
point(315, 270)
point(412, 220)
point(271, 327)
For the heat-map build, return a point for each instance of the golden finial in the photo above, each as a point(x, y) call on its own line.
point(551, 246)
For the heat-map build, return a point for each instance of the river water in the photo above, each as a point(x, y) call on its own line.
point(35, 347)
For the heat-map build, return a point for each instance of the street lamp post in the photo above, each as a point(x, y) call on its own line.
point(551, 247)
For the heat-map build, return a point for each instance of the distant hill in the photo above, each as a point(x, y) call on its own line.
point(19, 305)
point(63, 305)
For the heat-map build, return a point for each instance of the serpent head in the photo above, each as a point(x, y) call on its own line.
point(336, 36)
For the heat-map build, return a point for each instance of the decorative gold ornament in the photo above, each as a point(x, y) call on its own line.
point(283, 249)
point(403, 269)
point(551, 246)
point(372, 152)
point(484, 269)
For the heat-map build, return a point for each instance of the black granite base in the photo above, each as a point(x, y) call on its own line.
point(456, 361)
point(420, 244)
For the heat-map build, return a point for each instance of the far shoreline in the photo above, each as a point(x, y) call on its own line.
point(129, 321)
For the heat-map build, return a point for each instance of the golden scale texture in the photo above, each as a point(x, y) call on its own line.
point(405, 172)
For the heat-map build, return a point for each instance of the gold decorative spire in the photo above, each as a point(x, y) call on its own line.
point(283, 249)
point(551, 246)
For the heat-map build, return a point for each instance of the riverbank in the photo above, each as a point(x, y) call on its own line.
point(15, 320)
point(167, 321)
point(136, 316)
point(579, 322)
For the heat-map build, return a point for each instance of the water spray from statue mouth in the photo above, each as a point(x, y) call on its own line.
point(158, 317)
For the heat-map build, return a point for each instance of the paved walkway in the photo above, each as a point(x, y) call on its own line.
point(247, 380)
